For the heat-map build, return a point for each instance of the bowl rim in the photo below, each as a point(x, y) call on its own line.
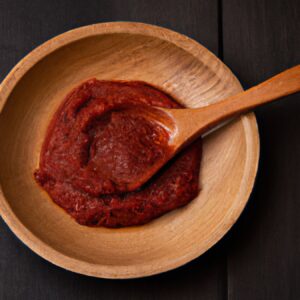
point(121, 272)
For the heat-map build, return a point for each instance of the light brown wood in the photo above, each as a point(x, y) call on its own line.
point(185, 125)
point(33, 90)
point(188, 124)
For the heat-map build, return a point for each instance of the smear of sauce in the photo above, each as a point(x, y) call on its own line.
point(95, 149)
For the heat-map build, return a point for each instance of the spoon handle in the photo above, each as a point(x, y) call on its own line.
point(191, 123)
point(283, 84)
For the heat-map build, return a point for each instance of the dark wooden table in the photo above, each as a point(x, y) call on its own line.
point(260, 257)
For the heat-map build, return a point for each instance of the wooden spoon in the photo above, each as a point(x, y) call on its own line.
point(185, 125)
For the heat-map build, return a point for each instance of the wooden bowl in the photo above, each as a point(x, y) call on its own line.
point(33, 90)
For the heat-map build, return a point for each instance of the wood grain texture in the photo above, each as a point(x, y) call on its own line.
point(261, 38)
point(23, 273)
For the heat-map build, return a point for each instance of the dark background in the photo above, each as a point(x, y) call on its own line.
point(260, 257)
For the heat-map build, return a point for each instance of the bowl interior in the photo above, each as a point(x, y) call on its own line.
point(168, 241)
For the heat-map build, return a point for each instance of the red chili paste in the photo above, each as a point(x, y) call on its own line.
point(94, 148)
